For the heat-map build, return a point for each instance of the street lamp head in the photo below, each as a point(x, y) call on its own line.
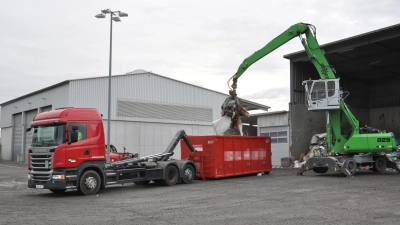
point(100, 16)
point(122, 14)
point(116, 19)
point(105, 11)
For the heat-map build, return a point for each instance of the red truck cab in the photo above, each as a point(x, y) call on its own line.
point(52, 150)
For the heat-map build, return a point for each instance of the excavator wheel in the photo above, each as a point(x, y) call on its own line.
point(351, 166)
point(380, 164)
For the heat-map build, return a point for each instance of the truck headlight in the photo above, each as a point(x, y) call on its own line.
point(59, 177)
point(29, 176)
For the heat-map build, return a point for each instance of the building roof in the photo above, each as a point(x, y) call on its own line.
point(372, 56)
point(249, 105)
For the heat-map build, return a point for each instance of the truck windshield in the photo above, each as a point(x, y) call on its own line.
point(51, 135)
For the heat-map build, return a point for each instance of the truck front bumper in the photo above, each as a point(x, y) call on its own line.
point(51, 184)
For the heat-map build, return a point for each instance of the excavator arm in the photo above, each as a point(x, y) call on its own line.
point(306, 32)
point(321, 95)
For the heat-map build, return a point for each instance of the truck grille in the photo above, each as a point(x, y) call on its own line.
point(41, 160)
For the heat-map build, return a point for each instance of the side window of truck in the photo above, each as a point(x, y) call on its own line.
point(82, 131)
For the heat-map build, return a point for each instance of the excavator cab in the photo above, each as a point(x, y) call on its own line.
point(322, 94)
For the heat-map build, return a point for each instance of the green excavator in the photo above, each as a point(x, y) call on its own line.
point(361, 146)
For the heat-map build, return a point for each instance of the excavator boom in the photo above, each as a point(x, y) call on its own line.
point(309, 42)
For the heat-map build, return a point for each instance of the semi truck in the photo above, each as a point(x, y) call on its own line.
point(360, 146)
point(59, 160)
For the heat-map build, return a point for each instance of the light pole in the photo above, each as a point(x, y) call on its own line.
point(114, 15)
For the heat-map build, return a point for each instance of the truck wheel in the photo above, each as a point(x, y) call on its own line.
point(89, 183)
point(171, 176)
point(380, 164)
point(188, 174)
point(142, 183)
point(351, 166)
point(320, 169)
point(58, 191)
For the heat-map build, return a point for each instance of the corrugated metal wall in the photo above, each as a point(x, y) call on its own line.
point(145, 87)
point(272, 120)
point(163, 111)
point(361, 94)
point(150, 138)
point(57, 97)
point(137, 133)
point(301, 71)
point(384, 95)
point(26, 107)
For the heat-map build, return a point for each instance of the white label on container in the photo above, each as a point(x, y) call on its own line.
point(198, 148)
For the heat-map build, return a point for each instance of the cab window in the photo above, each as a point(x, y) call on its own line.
point(82, 131)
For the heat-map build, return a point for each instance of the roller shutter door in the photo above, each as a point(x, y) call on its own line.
point(28, 135)
point(17, 136)
point(46, 108)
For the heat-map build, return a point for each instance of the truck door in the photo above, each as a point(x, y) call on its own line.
point(97, 145)
point(79, 151)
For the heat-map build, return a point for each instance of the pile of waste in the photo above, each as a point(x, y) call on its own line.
point(231, 113)
point(317, 147)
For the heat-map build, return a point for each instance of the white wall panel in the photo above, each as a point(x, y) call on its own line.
point(6, 143)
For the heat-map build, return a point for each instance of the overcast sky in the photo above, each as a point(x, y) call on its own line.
point(44, 42)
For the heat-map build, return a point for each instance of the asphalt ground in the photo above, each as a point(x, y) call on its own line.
point(280, 197)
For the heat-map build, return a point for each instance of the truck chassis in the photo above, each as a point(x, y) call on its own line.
point(91, 176)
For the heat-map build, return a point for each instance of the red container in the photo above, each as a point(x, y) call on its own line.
point(226, 156)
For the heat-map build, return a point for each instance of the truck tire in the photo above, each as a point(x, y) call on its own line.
point(58, 191)
point(142, 183)
point(320, 169)
point(188, 174)
point(89, 183)
point(171, 176)
point(380, 164)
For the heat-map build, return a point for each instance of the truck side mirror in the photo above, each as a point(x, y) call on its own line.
point(28, 129)
point(74, 128)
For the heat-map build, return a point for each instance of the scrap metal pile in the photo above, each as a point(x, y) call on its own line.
point(231, 113)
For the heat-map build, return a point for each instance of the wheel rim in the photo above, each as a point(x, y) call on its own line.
point(351, 166)
point(90, 183)
point(188, 174)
